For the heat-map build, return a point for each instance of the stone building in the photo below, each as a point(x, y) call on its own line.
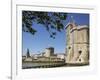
point(61, 55)
point(77, 43)
point(49, 52)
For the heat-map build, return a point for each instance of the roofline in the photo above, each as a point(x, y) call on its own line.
point(80, 28)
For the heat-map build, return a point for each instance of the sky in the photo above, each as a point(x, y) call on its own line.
point(41, 40)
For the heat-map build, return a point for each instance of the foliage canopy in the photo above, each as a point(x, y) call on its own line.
point(52, 21)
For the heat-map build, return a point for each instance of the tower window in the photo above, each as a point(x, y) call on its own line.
point(79, 59)
point(69, 47)
point(80, 52)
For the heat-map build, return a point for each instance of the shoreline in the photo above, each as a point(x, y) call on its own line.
point(56, 65)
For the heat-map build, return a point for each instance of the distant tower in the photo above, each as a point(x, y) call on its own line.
point(28, 53)
point(49, 52)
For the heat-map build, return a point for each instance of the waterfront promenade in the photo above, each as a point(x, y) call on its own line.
point(26, 65)
point(29, 65)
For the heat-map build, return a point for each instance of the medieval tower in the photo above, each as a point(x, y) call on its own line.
point(49, 52)
point(77, 43)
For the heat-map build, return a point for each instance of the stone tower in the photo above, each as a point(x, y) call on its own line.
point(77, 43)
point(49, 52)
